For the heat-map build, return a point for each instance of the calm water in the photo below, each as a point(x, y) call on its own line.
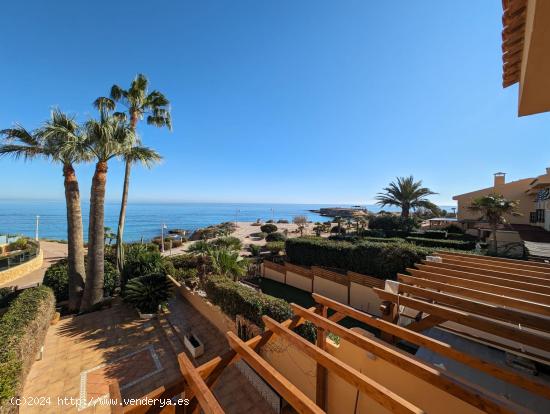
point(143, 219)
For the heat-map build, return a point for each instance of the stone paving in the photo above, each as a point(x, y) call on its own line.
point(81, 354)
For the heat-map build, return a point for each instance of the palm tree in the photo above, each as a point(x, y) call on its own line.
point(493, 208)
point(139, 103)
point(227, 263)
point(106, 138)
point(60, 141)
point(406, 193)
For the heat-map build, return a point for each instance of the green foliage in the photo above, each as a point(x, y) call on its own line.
point(235, 299)
point(7, 294)
point(259, 235)
point(451, 244)
point(228, 242)
point(19, 244)
point(407, 194)
point(148, 292)
point(387, 223)
point(274, 237)
point(57, 278)
point(22, 331)
point(269, 228)
point(453, 228)
point(227, 263)
point(282, 221)
point(254, 249)
point(373, 258)
point(139, 261)
point(275, 247)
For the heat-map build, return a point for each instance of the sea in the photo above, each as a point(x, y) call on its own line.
point(144, 220)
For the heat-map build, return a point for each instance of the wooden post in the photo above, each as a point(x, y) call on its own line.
point(321, 372)
point(390, 313)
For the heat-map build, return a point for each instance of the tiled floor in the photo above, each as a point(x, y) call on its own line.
point(81, 354)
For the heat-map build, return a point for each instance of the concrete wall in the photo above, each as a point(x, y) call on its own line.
point(299, 281)
point(343, 397)
point(331, 289)
point(23, 269)
point(273, 274)
point(364, 298)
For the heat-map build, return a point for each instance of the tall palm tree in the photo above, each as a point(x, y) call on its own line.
point(60, 141)
point(493, 208)
point(138, 103)
point(106, 138)
point(407, 194)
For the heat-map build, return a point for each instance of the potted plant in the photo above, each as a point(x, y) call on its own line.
point(148, 293)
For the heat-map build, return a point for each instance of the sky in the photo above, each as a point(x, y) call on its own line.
point(309, 101)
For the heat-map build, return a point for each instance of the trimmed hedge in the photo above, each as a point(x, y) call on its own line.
point(275, 237)
point(22, 331)
point(377, 259)
point(235, 299)
point(449, 244)
point(268, 228)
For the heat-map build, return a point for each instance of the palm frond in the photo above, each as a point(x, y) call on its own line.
point(143, 155)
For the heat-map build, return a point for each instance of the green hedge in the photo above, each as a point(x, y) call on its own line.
point(22, 331)
point(235, 299)
point(450, 244)
point(378, 259)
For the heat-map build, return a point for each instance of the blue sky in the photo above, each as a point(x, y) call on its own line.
point(277, 101)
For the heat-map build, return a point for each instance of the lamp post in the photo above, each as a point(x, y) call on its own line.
point(272, 214)
point(162, 227)
point(454, 211)
point(36, 228)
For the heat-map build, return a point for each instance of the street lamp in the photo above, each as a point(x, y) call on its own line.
point(162, 227)
point(36, 228)
point(237, 216)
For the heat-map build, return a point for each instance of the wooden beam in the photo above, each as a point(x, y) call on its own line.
point(296, 398)
point(483, 286)
point(116, 397)
point(514, 263)
point(383, 396)
point(456, 270)
point(447, 382)
point(477, 294)
point(464, 318)
point(504, 373)
point(525, 275)
point(425, 323)
point(163, 392)
point(207, 401)
point(495, 312)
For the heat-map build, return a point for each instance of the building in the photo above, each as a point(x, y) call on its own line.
point(533, 195)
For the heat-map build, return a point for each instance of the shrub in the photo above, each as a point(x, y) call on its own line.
point(338, 230)
point(184, 261)
point(275, 247)
point(275, 237)
point(19, 244)
point(431, 234)
point(389, 222)
point(148, 292)
point(259, 235)
point(254, 249)
point(282, 221)
point(57, 278)
point(270, 221)
point(453, 228)
point(228, 242)
point(140, 262)
point(169, 242)
point(435, 243)
point(378, 259)
point(268, 228)
point(235, 299)
point(22, 331)
point(7, 294)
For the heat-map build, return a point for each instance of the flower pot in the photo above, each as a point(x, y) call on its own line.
point(194, 345)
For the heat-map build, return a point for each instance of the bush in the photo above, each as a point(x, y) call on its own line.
point(22, 331)
point(268, 228)
point(57, 278)
point(19, 244)
point(168, 241)
point(235, 299)
point(453, 228)
point(140, 262)
point(270, 221)
point(254, 249)
point(378, 259)
point(338, 230)
point(275, 237)
point(148, 292)
point(228, 242)
point(389, 222)
point(282, 221)
point(259, 235)
point(450, 244)
point(431, 234)
point(275, 247)
point(7, 294)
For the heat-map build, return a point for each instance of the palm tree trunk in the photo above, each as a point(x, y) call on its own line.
point(93, 291)
point(405, 212)
point(121, 221)
point(75, 238)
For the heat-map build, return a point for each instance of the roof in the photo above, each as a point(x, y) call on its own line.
point(442, 219)
point(513, 33)
point(527, 181)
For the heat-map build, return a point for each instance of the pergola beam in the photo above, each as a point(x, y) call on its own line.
point(444, 381)
point(476, 294)
point(467, 319)
point(501, 261)
point(504, 373)
point(383, 396)
point(296, 398)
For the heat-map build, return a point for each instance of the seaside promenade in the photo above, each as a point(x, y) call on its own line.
point(53, 251)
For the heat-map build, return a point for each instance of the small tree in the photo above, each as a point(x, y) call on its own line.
point(301, 222)
point(493, 208)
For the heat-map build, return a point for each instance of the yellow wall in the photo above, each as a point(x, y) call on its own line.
point(363, 298)
point(15, 272)
point(331, 289)
point(298, 281)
